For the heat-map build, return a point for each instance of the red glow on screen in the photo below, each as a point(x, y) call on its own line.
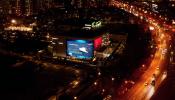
point(97, 43)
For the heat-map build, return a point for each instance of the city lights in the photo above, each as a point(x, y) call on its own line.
point(96, 24)
point(112, 78)
point(151, 28)
point(19, 28)
point(75, 98)
point(95, 83)
point(87, 49)
point(173, 21)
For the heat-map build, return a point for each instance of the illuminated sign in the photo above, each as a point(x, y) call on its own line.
point(93, 25)
point(19, 28)
point(96, 24)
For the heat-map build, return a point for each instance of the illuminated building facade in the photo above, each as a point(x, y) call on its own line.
point(30, 7)
point(75, 47)
point(24, 7)
point(19, 25)
point(18, 7)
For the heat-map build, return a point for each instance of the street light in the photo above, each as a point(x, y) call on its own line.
point(145, 12)
point(173, 22)
point(143, 65)
point(113, 78)
point(13, 21)
point(95, 83)
point(75, 98)
point(99, 73)
point(103, 90)
point(172, 52)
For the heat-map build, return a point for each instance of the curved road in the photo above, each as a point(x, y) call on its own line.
point(143, 89)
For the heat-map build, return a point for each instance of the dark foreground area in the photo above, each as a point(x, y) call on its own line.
point(29, 81)
point(25, 80)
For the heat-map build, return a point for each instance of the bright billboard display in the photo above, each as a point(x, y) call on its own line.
point(81, 49)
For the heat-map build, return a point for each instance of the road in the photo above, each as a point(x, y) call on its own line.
point(142, 91)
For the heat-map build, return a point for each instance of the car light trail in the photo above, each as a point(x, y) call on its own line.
point(139, 90)
point(151, 92)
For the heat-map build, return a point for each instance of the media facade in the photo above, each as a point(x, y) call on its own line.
point(80, 49)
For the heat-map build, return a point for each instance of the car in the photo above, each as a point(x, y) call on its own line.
point(146, 84)
point(153, 82)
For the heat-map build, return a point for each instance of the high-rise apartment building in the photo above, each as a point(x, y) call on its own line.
point(18, 7)
point(4, 6)
point(28, 7)
point(24, 7)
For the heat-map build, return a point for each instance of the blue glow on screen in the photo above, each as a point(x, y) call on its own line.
point(81, 41)
point(81, 49)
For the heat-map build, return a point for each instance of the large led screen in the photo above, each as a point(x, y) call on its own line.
point(81, 49)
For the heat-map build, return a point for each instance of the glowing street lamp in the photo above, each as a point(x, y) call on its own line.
point(143, 65)
point(13, 21)
point(95, 83)
point(145, 12)
point(75, 97)
point(99, 73)
point(173, 22)
point(112, 78)
point(103, 90)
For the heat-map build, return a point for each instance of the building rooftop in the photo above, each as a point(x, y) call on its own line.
point(81, 33)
